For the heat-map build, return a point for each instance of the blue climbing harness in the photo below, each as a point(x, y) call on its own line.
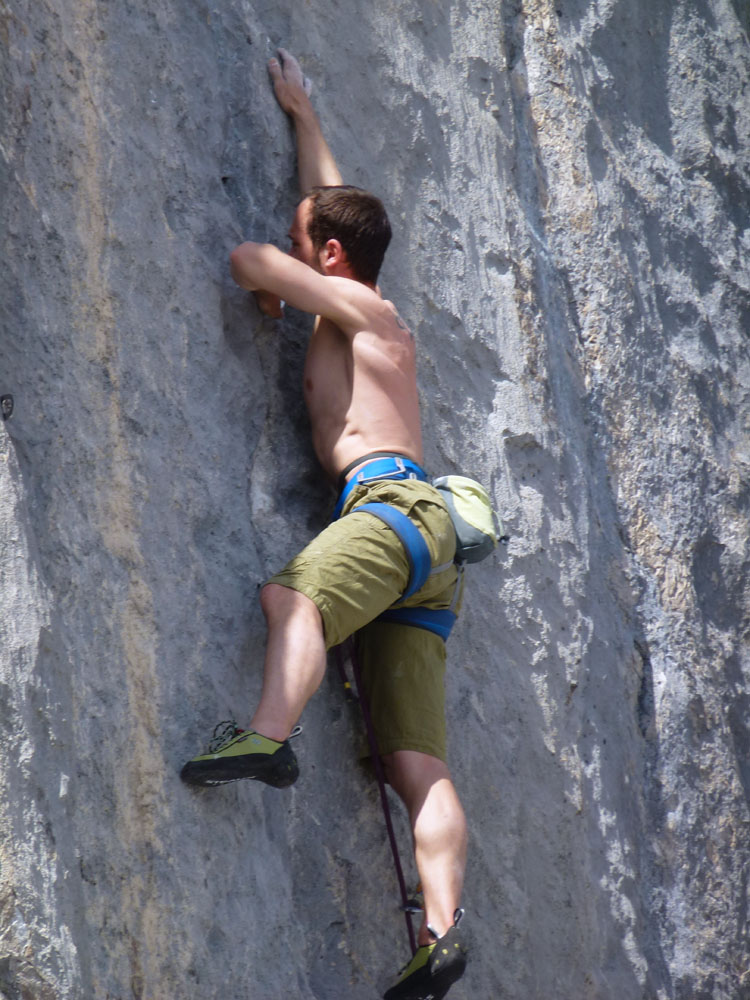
point(398, 467)
point(437, 620)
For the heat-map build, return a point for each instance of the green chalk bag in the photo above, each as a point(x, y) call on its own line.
point(478, 528)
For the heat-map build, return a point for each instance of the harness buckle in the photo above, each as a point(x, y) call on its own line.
point(399, 462)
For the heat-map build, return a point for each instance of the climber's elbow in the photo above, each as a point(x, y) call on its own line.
point(245, 264)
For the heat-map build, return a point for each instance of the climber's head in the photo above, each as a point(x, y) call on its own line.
point(351, 219)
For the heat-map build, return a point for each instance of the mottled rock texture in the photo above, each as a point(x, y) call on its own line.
point(570, 188)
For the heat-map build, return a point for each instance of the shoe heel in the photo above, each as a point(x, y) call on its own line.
point(285, 771)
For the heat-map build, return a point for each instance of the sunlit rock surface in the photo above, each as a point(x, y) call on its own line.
point(570, 189)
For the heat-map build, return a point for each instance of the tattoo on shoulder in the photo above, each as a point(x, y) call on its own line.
point(402, 326)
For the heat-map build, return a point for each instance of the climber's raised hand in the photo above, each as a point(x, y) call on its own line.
point(315, 162)
point(269, 304)
point(291, 86)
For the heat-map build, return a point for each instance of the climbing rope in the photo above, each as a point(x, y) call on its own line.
point(407, 905)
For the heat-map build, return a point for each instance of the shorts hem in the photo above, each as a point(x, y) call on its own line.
point(391, 746)
point(310, 591)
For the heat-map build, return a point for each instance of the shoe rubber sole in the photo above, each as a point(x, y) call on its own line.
point(435, 989)
point(445, 978)
point(279, 769)
point(433, 980)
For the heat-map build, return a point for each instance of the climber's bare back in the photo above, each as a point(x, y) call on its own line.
point(361, 390)
point(360, 375)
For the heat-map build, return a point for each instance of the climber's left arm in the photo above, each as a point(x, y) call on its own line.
point(315, 163)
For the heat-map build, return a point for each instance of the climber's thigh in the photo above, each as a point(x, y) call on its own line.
point(353, 571)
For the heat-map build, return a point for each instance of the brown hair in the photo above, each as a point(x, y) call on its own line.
point(357, 219)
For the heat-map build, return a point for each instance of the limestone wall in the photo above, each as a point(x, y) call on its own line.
point(570, 189)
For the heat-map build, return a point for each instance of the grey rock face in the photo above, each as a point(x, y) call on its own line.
point(570, 190)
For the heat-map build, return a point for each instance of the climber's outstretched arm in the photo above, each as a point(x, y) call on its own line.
point(349, 303)
point(316, 164)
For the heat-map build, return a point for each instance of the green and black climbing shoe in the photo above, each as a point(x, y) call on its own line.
point(242, 753)
point(434, 968)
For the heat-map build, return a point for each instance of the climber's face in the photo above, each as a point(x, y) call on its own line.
point(302, 246)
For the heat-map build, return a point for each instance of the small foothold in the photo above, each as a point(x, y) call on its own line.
point(6, 406)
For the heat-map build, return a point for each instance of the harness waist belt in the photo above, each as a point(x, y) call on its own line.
point(366, 458)
point(390, 467)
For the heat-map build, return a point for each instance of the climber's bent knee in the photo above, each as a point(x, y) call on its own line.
point(280, 604)
point(412, 773)
point(347, 572)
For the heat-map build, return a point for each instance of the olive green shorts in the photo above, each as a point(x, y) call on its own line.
point(403, 672)
point(353, 571)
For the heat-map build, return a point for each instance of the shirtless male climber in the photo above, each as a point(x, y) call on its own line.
point(361, 393)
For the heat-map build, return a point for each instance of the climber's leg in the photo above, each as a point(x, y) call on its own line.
point(439, 828)
point(295, 660)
